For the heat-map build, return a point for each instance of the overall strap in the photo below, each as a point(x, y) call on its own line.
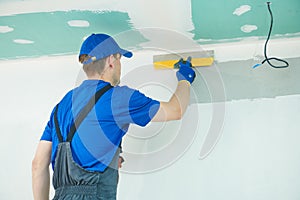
point(83, 113)
point(58, 132)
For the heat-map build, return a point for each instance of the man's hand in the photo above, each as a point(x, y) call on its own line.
point(185, 71)
point(120, 161)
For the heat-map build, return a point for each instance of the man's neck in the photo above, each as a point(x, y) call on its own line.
point(98, 77)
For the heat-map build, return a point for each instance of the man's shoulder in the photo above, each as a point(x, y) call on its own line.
point(124, 89)
point(125, 93)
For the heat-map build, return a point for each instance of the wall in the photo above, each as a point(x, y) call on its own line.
point(239, 137)
point(30, 88)
point(36, 28)
point(255, 157)
point(236, 20)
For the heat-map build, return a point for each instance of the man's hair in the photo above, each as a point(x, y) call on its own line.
point(95, 67)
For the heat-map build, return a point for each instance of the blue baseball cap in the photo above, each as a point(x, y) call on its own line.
point(99, 46)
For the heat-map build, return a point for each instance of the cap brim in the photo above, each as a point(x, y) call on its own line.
point(126, 53)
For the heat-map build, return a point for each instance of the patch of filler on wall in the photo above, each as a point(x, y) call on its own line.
point(60, 32)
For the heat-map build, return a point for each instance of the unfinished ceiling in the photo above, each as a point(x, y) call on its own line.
point(32, 28)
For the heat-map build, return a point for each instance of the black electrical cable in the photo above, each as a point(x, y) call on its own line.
point(265, 48)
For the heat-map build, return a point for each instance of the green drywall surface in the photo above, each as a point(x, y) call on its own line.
point(214, 20)
point(48, 33)
point(51, 34)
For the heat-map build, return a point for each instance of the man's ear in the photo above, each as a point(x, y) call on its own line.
point(110, 60)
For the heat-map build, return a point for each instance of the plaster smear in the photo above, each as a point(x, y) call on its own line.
point(248, 28)
point(21, 41)
point(242, 10)
point(5, 29)
point(79, 23)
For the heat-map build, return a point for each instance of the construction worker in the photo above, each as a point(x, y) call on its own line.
point(82, 137)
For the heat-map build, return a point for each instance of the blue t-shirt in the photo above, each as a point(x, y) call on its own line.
point(99, 135)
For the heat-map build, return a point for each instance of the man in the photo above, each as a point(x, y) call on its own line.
point(84, 148)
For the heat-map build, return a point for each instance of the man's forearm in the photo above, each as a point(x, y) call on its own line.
point(176, 106)
point(41, 184)
point(181, 97)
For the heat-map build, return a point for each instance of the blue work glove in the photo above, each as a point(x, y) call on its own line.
point(185, 71)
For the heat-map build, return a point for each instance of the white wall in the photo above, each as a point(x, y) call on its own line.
point(257, 156)
point(30, 88)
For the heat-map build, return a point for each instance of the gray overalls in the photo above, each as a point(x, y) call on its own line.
point(70, 180)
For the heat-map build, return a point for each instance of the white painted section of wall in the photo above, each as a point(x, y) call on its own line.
point(256, 157)
point(29, 89)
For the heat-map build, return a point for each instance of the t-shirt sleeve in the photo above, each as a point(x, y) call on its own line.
point(142, 108)
point(47, 134)
point(132, 106)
